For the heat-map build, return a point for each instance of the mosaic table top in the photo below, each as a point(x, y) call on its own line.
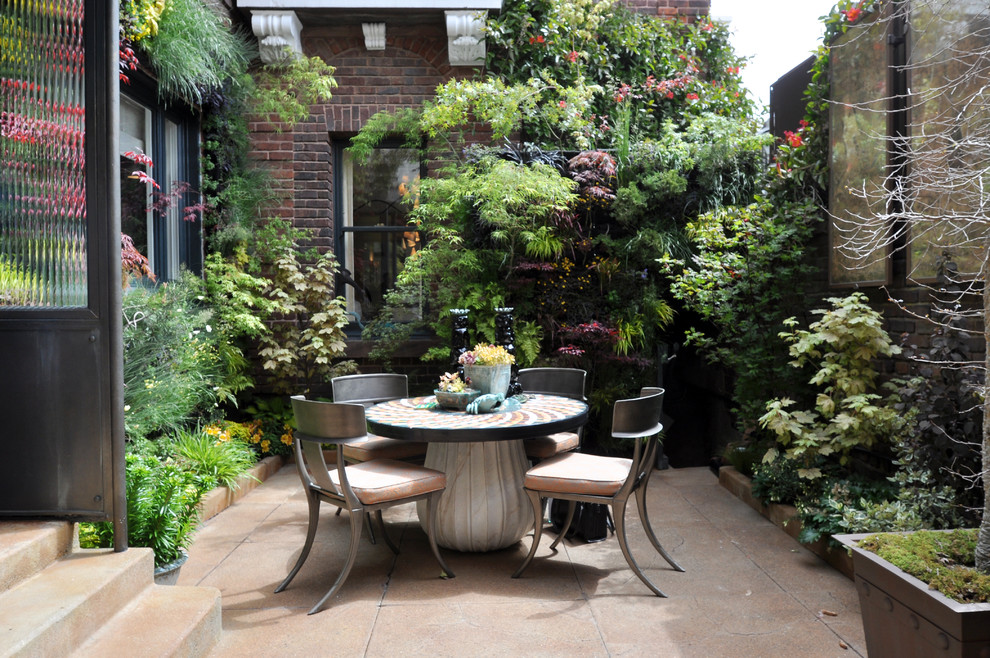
point(522, 417)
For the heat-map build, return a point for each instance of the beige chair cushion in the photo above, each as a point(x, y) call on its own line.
point(544, 447)
point(576, 472)
point(383, 480)
point(378, 447)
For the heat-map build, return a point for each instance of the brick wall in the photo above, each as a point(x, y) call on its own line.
point(686, 8)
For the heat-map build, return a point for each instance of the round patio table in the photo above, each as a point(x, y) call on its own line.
point(484, 507)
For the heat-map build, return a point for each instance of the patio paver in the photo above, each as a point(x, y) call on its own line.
point(749, 589)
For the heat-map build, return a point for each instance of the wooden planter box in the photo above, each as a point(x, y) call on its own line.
point(902, 618)
point(784, 517)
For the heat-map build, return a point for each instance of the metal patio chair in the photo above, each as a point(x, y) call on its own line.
point(368, 390)
point(568, 382)
point(365, 488)
point(575, 476)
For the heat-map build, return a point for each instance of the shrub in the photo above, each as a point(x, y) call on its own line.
point(162, 509)
point(748, 267)
point(173, 370)
point(847, 412)
point(307, 332)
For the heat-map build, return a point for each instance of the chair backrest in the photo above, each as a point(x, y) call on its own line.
point(639, 418)
point(568, 382)
point(370, 389)
point(325, 422)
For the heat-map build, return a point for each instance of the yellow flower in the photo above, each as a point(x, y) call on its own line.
point(265, 445)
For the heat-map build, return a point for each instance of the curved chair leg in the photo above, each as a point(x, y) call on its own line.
point(381, 526)
point(645, 517)
point(356, 526)
point(571, 507)
point(432, 507)
point(534, 497)
point(371, 528)
point(620, 532)
point(314, 520)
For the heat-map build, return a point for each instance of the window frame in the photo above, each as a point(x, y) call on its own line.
point(173, 243)
point(343, 215)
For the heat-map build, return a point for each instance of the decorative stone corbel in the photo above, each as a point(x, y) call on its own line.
point(374, 35)
point(465, 38)
point(278, 35)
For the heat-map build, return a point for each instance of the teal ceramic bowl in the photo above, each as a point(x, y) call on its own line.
point(456, 401)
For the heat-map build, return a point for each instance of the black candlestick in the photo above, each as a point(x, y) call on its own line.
point(505, 335)
point(459, 343)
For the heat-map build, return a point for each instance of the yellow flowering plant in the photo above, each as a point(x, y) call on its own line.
point(486, 354)
point(264, 438)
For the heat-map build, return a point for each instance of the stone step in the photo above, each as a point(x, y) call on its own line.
point(161, 621)
point(54, 611)
point(27, 547)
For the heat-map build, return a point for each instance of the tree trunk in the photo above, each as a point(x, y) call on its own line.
point(983, 542)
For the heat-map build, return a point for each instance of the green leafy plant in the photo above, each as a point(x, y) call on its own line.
point(213, 455)
point(162, 509)
point(669, 69)
point(779, 482)
point(174, 371)
point(847, 412)
point(748, 266)
point(286, 91)
point(194, 50)
point(15, 284)
point(828, 501)
point(307, 334)
point(270, 433)
point(240, 309)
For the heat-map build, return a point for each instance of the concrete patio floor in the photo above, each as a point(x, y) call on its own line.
point(748, 590)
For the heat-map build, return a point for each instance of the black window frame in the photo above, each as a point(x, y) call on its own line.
point(189, 249)
point(338, 145)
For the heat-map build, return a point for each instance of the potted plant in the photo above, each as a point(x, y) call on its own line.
point(453, 393)
point(903, 613)
point(162, 513)
point(488, 368)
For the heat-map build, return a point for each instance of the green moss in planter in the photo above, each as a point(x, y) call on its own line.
point(944, 560)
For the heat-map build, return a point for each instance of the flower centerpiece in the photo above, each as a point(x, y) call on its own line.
point(488, 368)
point(453, 393)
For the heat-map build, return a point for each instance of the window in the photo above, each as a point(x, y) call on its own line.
point(155, 218)
point(373, 236)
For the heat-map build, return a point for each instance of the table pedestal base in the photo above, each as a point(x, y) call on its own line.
point(484, 507)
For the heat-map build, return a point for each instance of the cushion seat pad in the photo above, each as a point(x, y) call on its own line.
point(383, 480)
point(379, 447)
point(544, 447)
point(576, 472)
